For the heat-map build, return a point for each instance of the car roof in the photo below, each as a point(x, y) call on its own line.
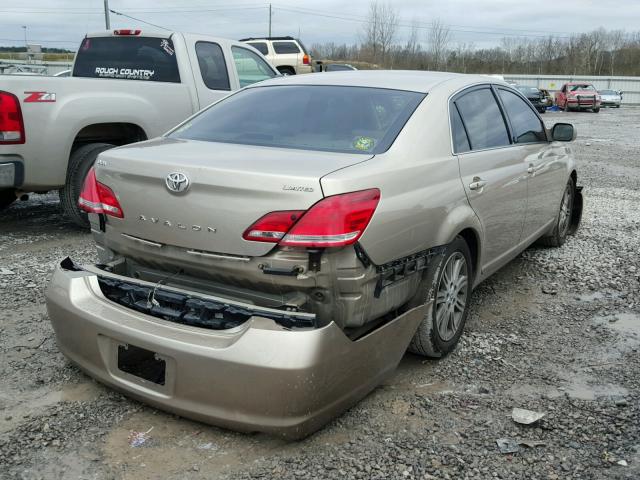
point(410, 80)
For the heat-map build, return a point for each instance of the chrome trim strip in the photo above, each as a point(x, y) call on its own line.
point(218, 255)
point(144, 242)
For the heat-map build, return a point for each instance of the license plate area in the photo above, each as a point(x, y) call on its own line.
point(142, 363)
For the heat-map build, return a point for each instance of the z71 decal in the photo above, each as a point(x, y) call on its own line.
point(39, 97)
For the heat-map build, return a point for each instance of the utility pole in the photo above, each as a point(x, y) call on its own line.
point(24, 27)
point(269, 19)
point(106, 15)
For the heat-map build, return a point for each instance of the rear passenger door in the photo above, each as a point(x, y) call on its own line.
point(544, 161)
point(494, 178)
point(212, 75)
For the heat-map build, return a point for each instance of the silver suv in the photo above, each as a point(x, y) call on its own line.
point(268, 262)
point(287, 54)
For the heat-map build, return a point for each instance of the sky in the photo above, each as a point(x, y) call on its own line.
point(483, 23)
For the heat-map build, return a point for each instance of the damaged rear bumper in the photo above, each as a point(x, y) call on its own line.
point(257, 376)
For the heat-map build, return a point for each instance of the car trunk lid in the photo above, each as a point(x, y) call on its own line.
point(230, 186)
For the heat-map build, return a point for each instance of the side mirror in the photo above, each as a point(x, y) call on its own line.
point(563, 132)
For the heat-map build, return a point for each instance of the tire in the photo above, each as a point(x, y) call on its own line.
point(81, 160)
point(435, 339)
point(596, 110)
point(7, 197)
point(562, 224)
point(286, 71)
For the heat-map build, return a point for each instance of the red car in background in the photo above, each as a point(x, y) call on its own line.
point(578, 96)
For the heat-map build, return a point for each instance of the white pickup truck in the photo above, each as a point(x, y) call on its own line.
point(126, 86)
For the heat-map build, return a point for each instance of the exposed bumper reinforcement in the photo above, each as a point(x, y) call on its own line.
point(258, 376)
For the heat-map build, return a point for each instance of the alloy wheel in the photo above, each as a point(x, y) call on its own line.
point(451, 299)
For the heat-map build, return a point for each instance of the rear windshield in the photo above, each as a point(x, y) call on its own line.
point(584, 86)
point(130, 58)
point(310, 117)
point(526, 90)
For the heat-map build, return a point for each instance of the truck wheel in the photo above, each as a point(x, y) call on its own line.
point(596, 110)
point(7, 197)
point(440, 330)
point(558, 235)
point(286, 71)
point(81, 160)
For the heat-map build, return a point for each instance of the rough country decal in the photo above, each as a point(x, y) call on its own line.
point(128, 73)
point(40, 97)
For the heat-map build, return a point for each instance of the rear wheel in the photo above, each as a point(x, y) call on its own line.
point(7, 197)
point(561, 228)
point(81, 160)
point(441, 329)
point(596, 110)
point(286, 71)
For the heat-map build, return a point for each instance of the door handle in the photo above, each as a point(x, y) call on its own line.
point(477, 184)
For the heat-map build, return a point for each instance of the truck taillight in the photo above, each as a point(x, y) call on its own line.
point(334, 221)
point(11, 123)
point(98, 198)
point(305, 59)
point(127, 31)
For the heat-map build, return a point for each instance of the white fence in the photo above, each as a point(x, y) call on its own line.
point(630, 86)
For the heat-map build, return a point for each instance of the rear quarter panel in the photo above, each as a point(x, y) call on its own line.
point(422, 203)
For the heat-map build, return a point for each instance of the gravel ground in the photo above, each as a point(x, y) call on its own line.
point(556, 331)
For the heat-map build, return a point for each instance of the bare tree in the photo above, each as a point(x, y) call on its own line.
point(380, 30)
point(616, 41)
point(438, 37)
point(388, 26)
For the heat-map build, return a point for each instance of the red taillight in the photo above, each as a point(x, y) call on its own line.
point(98, 198)
point(305, 59)
point(127, 31)
point(11, 124)
point(332, 222)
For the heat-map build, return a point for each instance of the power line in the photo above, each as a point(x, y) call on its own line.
point(428, 25)
point(139, 20)
point(404, 25)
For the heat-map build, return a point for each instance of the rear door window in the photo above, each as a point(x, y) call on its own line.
point(483, 119)
point(285, 47)
point(251, 68)
point(212, 66)
point(129, 58)
point(527, 127)
point(260, 46)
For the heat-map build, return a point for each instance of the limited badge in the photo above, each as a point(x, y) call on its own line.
point(363, 143)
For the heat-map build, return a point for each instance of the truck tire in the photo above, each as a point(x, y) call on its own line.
point(7, 197)
point(81, 160)
point(439, 332)
point(596, 110)
point(286, 71)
